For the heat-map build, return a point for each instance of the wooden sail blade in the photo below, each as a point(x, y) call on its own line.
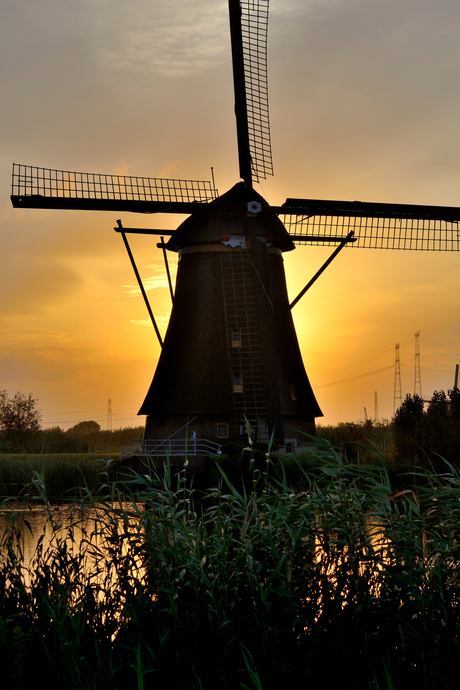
point(376, 226)
point(34, 187)
point(249, 28)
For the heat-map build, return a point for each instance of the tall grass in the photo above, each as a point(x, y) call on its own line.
point(65, 475)
point(341, 584)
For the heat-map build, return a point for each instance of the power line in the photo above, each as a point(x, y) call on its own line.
point(98, 418)
point(352, 378)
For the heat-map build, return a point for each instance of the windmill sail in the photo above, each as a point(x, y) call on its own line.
point(375, 226)
point(249, 28)
point(34, 187)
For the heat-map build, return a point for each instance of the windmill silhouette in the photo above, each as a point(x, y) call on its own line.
point(230, 353)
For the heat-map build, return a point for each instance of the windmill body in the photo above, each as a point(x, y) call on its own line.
point(230, 355)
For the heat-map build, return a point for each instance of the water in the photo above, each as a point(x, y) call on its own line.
point(32, 523)
point(83, 529)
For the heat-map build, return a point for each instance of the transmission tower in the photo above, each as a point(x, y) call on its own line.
point(417, 379)
point(397, 399)
point(109, 415)
point(376, 408)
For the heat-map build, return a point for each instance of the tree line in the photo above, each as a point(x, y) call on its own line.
point(21, 431)
point(419, 435)
point(422, 434)
point(428, 437)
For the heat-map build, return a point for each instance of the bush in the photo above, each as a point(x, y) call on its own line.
point(358, 441)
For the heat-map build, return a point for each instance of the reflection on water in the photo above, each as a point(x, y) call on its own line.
point(32, 523)
point(84, 530)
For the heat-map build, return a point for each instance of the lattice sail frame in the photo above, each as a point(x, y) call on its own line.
point(254, 27)
point(384, 232)
point(29, 180)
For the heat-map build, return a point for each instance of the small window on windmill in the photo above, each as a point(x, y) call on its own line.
point(236, 338)
point(237, 383)
point(222, 431)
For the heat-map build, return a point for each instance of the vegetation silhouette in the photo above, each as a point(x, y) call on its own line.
point(342, 583)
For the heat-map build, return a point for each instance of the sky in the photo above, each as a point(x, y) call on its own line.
point(364, 105)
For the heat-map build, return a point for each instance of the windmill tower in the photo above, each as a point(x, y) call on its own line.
point(238, 357)
point(231, 352)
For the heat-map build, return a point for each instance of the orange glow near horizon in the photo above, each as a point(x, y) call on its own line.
point(369, 111)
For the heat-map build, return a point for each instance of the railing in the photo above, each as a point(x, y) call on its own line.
point(170, 447)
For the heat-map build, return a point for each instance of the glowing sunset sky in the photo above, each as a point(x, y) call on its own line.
point(364, 104)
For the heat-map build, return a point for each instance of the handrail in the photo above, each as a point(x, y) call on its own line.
point(171, 447)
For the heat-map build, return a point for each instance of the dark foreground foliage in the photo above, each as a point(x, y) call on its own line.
point(339, 585)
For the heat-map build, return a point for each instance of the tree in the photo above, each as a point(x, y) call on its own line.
point(56, 440)
point(427, 437)
point(87, 435)
point(409, 430)
point(85, 429)
point(19, 414)
point(20, 420)
point(443, 415)
point(438, 407)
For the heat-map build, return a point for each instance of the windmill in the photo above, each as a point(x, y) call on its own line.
point(230, 353)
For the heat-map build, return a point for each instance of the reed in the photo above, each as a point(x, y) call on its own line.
point(341, 583)
point(65, 475)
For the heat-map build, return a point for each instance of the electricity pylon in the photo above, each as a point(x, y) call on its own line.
point(417, 379)
point(397, 398)
point(109, 415)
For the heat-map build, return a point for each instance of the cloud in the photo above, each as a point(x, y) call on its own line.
point(153, 282)
point(20, 338)
point(169, 168)
point(152, 39)
point(162, 321)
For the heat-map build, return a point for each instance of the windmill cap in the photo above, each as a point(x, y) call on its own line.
point(236, 213)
